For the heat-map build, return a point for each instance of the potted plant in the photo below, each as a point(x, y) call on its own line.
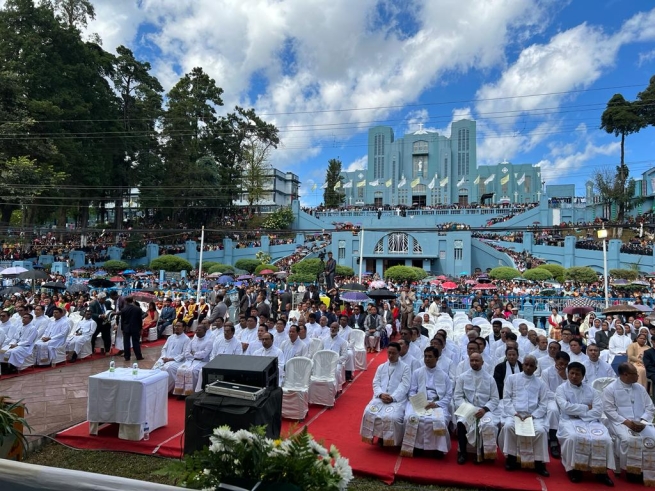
point(12, 426)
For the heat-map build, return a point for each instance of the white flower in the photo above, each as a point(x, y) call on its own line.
point(243, 436)
point(318, 449)
point(344, 471)
point(206, 472)
point(334, 452)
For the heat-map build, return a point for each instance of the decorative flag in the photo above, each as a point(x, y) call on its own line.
point(324, 186)
point(389, 183)
point(489, 179)
point(504, 180)
point(402, 182)
point(432, 182)
point(415, 182)
point(522, 180)
point(337, 185)
point(516, 175)
point(374, 183)
point(314, 187)
point(443, 182)
point(477, 181)
point(361, 184)
point(461, 182)
point(348, 185)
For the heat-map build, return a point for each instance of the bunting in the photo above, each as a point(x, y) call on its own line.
point(504, 180)
point(337, 185)
point(443, 182)
point(389, 183)
point(361, 184)
point(489, 179)
point(521, 180)
point(374, 183)
point(348, 185)
point(402, 182)
point(324, 186)
point(432, 182)
point(461, 182)
point(477, 181)
point(415, 182)
point(314, 187)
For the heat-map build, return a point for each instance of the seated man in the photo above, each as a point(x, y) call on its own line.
point(173, 353)
point(429, 430)
point(553, 377)
point(19, 346)
point(54, 336)
point(76, 341)
point(373, 328)
point(195, 356)
point(294, 346)
point(525, 396)
point(630, 412)
point(477, 388)
point(383, 416)
point(597, 368)
point(226, 343)
point(336, 343)
point(166, 317)
point(584, 440)
point(648, 361)
point(268, 349)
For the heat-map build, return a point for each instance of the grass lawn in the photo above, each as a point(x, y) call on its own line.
point(142, 467)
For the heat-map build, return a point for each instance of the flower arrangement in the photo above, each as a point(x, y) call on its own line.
point(237, 457)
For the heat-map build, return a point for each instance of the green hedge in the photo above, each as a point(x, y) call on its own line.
point(405, 273)
point(559, 272)
point(583, 274)
point(171, 263)
point(114, 266)
point(301, 278)
point(247, 264)
point(344, 271)
point(624, 274)
point(538, 274)
point(308, 266)
point(219, 268)
point(504, 273)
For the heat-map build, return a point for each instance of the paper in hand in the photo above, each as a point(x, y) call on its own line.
point(525, 427)
point(419, 401)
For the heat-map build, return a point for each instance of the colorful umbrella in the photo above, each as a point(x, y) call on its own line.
point(245, 277)
point(128, 271)
point(117, 279)
point(355, 297)
point(352, 287)
point(101, 283)
point(449, 285)
point(580, 306)
point(13, 271)
point(381, 294)
point(267, 271)
point(484, 286)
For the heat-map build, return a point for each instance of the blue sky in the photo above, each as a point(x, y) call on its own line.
point(536, 75)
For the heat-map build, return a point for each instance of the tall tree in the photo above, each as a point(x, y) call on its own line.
point(333, 198)
point(74, 14)
point(646, 103)
point(255, 173)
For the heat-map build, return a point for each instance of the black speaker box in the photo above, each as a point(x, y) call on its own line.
point(256, 371)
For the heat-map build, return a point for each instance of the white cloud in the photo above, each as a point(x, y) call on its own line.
point(646, 57)
point(359, 164)
point(567, 163)
point(116, 26)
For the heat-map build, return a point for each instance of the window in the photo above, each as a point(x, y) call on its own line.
point(360, 193)
point(458, 246)
point(527, 184)
point(419, 166)
point(342, 250)
point(378, 167)
point(417, 247)
point(398, 243)
point(420, 146)
point(463, 146)
point(379, 247)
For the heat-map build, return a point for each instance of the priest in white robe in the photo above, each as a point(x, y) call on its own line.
point(226, 343)
point(344, 332)
point(82, 335)
point(20, 346)
point(54, 336)
point(477, 393)
point(293, 346)
point(525, 396)
point(553, 377)
point(630, 411)
point(173, 353)
point(595, 367)
point(41, 320)
point(383, 416)
point(428, 429)
point(336, 343)
point(407, 358)
point(585, 442)
point(268, 349)
point(196, 356)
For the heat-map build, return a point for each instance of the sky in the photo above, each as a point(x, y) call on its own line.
point(535, 74)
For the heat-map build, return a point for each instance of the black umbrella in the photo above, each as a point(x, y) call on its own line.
point(54, 285)
point(381, 294)
point(148, 290)
point(352, 287)
point(77, 288)
point(101, 283)
point(10, 291)
point(33, 275)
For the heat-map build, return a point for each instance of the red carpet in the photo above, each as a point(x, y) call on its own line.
point(340, 426)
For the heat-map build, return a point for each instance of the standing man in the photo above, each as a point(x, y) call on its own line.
point(131, 326)
point(330, 271)
point(407, 299)
point(99, 313)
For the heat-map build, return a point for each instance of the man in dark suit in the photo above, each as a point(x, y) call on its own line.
point(330, 271)
point(356, 320)
point(131, 322)
point(512, 363)
point(603, 336)
point(100, 309)
point(649, 363)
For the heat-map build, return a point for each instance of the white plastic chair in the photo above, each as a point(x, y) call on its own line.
point(359, 350)
point(323, 382)
point(295, 390)
point(600, 383)
point(314, 346)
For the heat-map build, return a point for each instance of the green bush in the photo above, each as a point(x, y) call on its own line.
point(583, 274)
point(206, 265)
point(624, 274)
point(308, 266)
point(247, 264)
point(404, 273)
point(538, 274)
point(279, 219)
point(170, 263)
point(421, 274)
point(344, 271)
point(114, 266)
point(262, 267)
point(559, 272)
point(504, 273)
point(219, 268)
point(301, 278)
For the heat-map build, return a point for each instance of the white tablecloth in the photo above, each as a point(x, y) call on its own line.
point(129, 400)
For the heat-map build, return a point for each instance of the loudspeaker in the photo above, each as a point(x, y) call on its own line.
point(204, 412)
point(256, 371)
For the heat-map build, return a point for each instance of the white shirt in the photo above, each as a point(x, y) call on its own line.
point(224, 346)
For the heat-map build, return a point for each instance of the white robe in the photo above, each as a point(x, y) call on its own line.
point(479, 389)
point(293, 350)
point(41, 323)
point(222, 346)
point(381, 420)
point(175, 347)
point(338, 345)
point(46, 351)
point(634, 452)
point(598, 369)
point(552, 380)
point(195, 356)
point(276, 353)
point(24, 337)
point(584, 441)
point(411, 362)
point(428, 431)
point(85, 328)
point(525, 394)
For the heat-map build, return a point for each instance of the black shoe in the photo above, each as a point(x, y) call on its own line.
point(540, 468)
point(127, 359)
point(510, 463)
point(120, 353)
point(573, 476)
point(605, 479)
point(634, 478)
point(461, 458)
point(554, 450)
point(74, 356)
point(140, 358)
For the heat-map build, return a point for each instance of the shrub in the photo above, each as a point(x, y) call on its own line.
point(623, 274)
point(262, 267)
point(114, 266)
point(308, 266)
point(247, 264)
point(504, 273)
point(279, 219)
point(219, 268)
point(344, 271)
point(420, 272)
point(582, 274)
point(537, 274)
point(170, 263)
point(404, 273)
point(558, 271)
point(301, 278)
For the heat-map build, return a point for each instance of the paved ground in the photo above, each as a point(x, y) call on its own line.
point(57, 398)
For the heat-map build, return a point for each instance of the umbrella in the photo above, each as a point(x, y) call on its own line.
point(141, 275)
point(367, 273)
point(37, 266)
point(100, 272)
point(484, 286)
point(464, 273)
point(128, 271)
point(442, 277)
point(225, 279)
point(33, 275)
point(117, 279)
point(12, 270)
point(581, 306)
point(214, 275)
point(355, 297)
point(352, 287)
point(643, 308)
point(484, 279)
point(101, 283)
point(449, 285)
point(620, 282)
point(436, 282)
point(378, 284)
point(245, 277)
point(622, 308)
point(281, 274)
point(77, 288)
point(147, 290)
point(381, 294)
point(638, 282)
point(267, 271)
point(54, 285)
point(79, 271)
point(10, 291)
point(144, 297)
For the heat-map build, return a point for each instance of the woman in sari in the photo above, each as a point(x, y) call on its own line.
point(151, 319)
point(636, 354)
point(554, 325)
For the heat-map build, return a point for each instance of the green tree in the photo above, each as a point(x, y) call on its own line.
point(74, 14)
point(504, 273)
point(219, 268)
point(135, 247)
point(646, 103)
point(557, 271)
point(312, 267)
point(581, 274)
point(170, 263)
point(114, 265)
point(624, 274)
point(255, 174)
point(280, 219)
point(247, 264)
point(301, 278)
point(344, 271)
point(333, 198)
point(403, 274)
point(538, 274)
